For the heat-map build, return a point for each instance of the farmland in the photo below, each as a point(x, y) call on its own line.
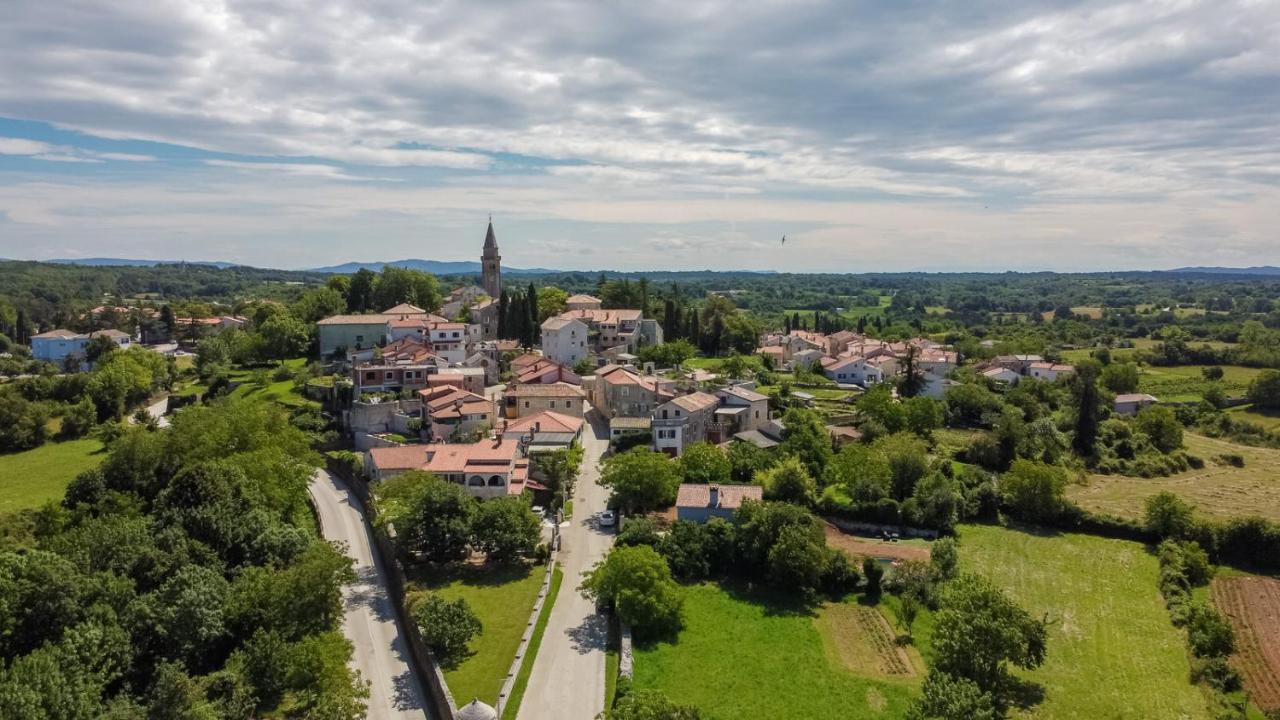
point(1112, 651)
point(1253, 605)
point(32, 478)
point(780, 660)
point(1218, 490)
point(1186, 383)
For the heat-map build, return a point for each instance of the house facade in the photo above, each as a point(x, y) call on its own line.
point(620, 392)
point(351, 333)
point(682, 421)
point(564, 340)
point(530, 399)
point(450, 411)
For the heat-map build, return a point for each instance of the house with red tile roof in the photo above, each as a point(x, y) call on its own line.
point(1049, 371)
point(619, 392)
point(487, 469)
point(449, 412)
point(544, 431)
point(583, 302)
point(699, 503)
point(543, 371)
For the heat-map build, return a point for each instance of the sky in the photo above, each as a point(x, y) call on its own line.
point(876, 136)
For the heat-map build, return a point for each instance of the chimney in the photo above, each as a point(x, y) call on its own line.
point(715, 496)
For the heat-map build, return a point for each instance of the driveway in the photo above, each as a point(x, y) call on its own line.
point(567, 682)
point(381, 654)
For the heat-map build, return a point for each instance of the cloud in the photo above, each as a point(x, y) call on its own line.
point(656, 114)
point(19, 146)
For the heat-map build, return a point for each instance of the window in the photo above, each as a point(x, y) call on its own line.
point(526, 403)
point(359, 338)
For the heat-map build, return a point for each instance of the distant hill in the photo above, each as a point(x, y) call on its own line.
point(125, 262)
point(1255, 270)
point(435, 267)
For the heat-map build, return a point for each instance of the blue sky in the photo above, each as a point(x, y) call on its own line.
point(876, 136)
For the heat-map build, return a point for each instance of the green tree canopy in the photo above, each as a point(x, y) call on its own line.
point(641, 480)
point(636, 581)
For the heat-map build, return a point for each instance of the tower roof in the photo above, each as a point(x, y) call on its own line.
point(490, 240)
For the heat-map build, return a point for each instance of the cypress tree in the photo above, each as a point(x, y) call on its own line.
point(786, 324)
point(531, 299)
point(504, 303)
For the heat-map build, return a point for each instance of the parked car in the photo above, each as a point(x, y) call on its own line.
point(608, 519)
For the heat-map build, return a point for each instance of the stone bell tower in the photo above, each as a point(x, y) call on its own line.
point(491, 265)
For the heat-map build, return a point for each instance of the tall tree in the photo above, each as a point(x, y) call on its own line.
point(1088, 407)
point(504, 305)
point(360, 294)
point(531, 301)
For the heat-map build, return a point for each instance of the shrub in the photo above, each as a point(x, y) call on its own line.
point(637, 583)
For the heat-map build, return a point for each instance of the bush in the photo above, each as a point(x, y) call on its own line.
point(873, 574)
point(447, 626)
point(1034, 491)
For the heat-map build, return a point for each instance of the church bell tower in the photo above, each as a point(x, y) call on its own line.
point(491, 264)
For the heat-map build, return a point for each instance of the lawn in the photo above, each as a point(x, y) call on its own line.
point(1186, 383)
point(747, 655)
point(502, 597)
point(1112, 652)
point(32, 478)
point(1218, 489)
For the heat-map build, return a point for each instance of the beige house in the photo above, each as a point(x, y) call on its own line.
point(449, 411)
point(741, 409)
point(682, 421)
point(621, 392)
point(583, 302)
point(531, 399)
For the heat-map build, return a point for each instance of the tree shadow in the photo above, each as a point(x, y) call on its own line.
point(776, 603)
point(432, 576)
point(1040, 531)
point(1024, 694)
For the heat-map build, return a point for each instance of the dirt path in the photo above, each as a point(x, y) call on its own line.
point(868, 547)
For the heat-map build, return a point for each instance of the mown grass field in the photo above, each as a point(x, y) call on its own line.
point(32, 478)
point(1269, 419)
point(502, 597)
point(1217, 490)
point(1112, 652)
point(1186, 383)
point(750, 656)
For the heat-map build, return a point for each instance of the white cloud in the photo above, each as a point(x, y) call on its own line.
point(20, 146)
point(664, 113)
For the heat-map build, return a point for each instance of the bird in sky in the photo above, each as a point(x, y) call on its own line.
point(784, 239)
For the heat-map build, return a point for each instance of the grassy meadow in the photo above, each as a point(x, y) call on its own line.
point(744, 654)
point(1113, 653)
point(32, 478)
point(1219, 489)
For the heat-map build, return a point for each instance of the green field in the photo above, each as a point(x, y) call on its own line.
point(1186, 383)
point(278, 391)
point(747, 656)
point(32, 478)
point(1269, 419)
point(1113, 652)
point(1139, 344)
point(1218, 489)
point(502, 597)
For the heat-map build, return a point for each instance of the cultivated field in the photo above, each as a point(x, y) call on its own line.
point(1112, 651)
point(1253, 604)
point(752, 655)
point(1218, 489)
point(1186, 383)
point(32, 478)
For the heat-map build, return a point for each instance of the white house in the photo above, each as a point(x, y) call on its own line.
point(1049, 371)
point(449, 341)
point(564, 340)
point(856, 370)
point(1002, 375)
point(1131, 403)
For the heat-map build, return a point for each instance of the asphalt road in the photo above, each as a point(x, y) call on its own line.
point(381, 654)
point(567, 682)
